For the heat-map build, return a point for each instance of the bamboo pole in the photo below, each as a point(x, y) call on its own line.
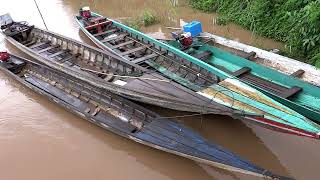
point(40, 14)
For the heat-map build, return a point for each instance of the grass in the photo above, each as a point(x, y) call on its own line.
point(294, 22)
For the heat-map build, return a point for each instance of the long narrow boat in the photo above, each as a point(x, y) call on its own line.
point(106, 70)
point(124, 117)
point(138, 48)
point(299, 95)
point(286, 65)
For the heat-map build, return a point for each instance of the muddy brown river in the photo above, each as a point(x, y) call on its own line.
point(39, 140)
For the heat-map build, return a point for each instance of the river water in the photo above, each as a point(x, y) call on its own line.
point(39, 140)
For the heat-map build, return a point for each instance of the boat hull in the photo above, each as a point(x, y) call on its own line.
point(155, 131)
point(164, 93)
point(243, 99)
point(275, 84)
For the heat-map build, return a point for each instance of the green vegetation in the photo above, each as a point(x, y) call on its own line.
point(134, 23)
point(295, 22)
point(222, 20)
point(147, 18)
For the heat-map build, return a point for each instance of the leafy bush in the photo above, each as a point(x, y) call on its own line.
point(147, 18)
point(134, 23)
point(295, 22)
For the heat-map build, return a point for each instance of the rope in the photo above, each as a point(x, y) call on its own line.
point(227, 90)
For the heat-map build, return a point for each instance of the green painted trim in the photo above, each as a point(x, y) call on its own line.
point(202, 64)
point(294, 119)
point(298, 120)
point(307, 102)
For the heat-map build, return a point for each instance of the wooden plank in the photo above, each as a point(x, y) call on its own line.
point(203, 55)
point(241, 71)
point(30, 43)
point(105, 32)
point(39, 44)
point(48, 48)
point(292, 91)
point(58, 53)
point(139, 60)
point(69, 58)
point(120, 36)
point(250, 55)
point(298, 73)
point(265, 84)
point(133, 50)
point(122, 44)
point(95, 25)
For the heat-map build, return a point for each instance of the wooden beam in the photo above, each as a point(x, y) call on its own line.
point(120, 36)
point(203, 55)
point(292, 91)
point(139, 60)
point(133, 50)
point(58, 53)
point(48, 48)
point(241, 71)
point(106, 32)
point(39, 44)
point(250, 55)
point(122, 44)
point(298, 73)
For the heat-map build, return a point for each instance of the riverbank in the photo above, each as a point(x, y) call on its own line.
point(294, 22)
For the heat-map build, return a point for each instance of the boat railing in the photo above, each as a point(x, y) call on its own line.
point(90, 53)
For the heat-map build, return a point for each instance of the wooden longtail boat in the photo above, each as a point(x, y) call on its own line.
point(106, 70)
point(299, 95)
point(124, 117)
point(198, 76)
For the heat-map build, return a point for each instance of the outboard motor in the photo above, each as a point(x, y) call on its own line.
point(4, 56)
point(185, 39)
point(189, 31)
point(17, 30)
point(85, 12)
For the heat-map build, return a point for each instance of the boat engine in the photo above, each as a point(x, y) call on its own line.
point(85, 12)
point(185, 39)
point(4, 56)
